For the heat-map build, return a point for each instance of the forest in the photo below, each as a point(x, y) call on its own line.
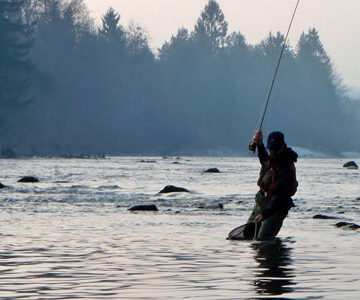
point(71, 86)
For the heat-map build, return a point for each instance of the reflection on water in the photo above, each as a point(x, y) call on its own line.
point(274, 274)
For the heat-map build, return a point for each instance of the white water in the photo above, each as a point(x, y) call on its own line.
point(71, 235)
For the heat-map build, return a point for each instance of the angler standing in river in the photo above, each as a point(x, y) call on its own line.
point(277, 184)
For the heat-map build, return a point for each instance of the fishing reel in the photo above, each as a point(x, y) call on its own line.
point(252, 146)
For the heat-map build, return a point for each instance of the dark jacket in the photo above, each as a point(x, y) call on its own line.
point(285, 179)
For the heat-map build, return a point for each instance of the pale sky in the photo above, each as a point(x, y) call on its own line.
point(338, 22)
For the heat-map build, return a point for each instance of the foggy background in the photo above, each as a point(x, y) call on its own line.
point(336, 20)
point(72, 86)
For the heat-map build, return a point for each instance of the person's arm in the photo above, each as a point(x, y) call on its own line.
point(262, 153)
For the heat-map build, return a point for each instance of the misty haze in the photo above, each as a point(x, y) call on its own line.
point(126, 171)
point(69, 87)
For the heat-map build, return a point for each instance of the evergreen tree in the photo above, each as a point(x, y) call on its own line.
point(311, 52)
point(211, 27)
point(272, 44)
point(138, 43)
point(177, 46)
point(315, 67)
point(111, 29)
point(318, 97)
point(15, 43)
point(236, 43)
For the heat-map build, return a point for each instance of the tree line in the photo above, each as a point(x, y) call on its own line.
point(69, 86)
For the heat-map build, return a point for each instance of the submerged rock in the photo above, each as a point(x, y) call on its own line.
point(324, 217)
point(82, 156)
point(148, 161)
point(212, 206)
point(147, 207)
point(351, 165)
point(212, 170)
point(28, 179)
point(173, 189)
point(347, 225)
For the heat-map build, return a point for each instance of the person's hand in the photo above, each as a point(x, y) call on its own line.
point(259, 218)
point(258, 137)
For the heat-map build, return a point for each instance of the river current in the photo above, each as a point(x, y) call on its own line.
point(71, 236)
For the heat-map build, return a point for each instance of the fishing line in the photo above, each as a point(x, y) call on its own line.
point(277, 66)
point(252, 147)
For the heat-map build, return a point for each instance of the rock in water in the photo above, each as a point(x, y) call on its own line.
point(28, 179)
point(173, 189)
point(351, 165)
point(212, 170)
point(347, 225)
point(2, 186)
point(212, 206)
point(324, 217)
point(150, 207)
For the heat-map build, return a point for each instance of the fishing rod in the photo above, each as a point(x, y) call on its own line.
point(252, 145)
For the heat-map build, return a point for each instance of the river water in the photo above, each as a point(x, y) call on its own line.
point(71, 236)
